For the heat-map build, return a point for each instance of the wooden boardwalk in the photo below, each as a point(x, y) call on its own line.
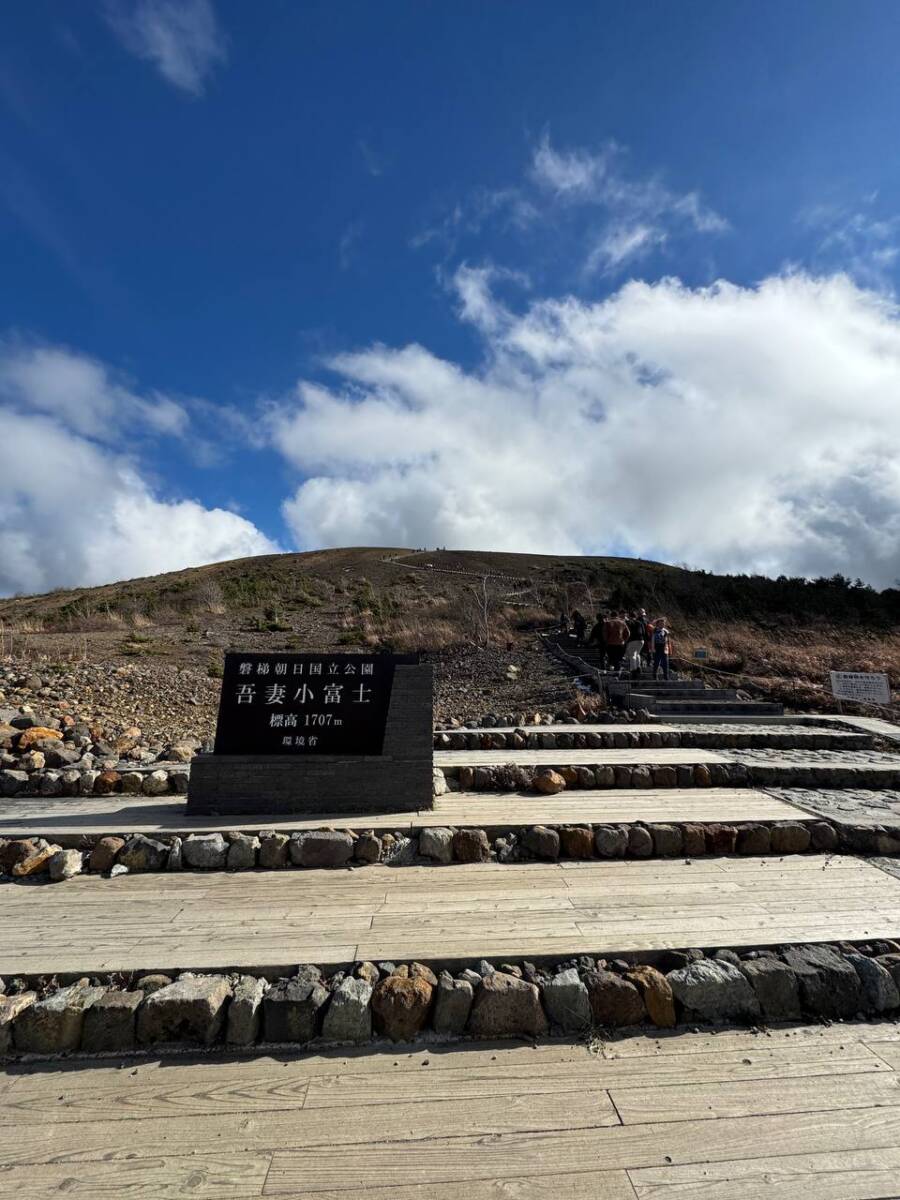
point(799, 1114)
point(652, 757)
point(271, 920)
point(68, 819)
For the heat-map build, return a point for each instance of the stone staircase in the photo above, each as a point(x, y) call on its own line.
point(680, 696)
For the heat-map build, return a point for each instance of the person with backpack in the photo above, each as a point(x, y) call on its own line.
point(615, 635)
point(579, 627)
point(662, 648)
point(637, 633)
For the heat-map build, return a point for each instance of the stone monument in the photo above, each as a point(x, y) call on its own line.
point(318, 734)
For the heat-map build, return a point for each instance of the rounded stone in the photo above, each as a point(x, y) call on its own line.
point(640, 843)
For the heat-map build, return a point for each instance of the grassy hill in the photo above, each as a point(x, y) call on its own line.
point(782, 634)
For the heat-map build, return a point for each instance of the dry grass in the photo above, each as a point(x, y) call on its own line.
point(792, 665)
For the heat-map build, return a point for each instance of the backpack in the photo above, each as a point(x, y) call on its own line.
point(660, 638)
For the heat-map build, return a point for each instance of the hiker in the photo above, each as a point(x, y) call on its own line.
point(579, 627)
point(597, 638)
point(647, 652)
point(662, 648)
point(615, 631)
point(563, 624)
point(637, 634)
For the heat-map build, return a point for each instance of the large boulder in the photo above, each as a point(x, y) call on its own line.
point(401, 1006)
point(348, 1017)
point(190, 1009)
point(65, 864)
point(291, 1008)
point(242, 851)
point(12, 1007)
point(38, 862)
point(54, 1025)
point(775, 986)
point(656, 993)
point(471, 845)
point(567, 1002)
point(141, 853)
point(879, 989)
point(614, 1001)
point(506, 1006)
point(273, 849)
point(245, 1011)
point(322, 848)
point(109, 1023)
point(714, 990)
point(542, 842)
point(577, 841)
point(205, 851)
point(12, 781)
point(104, 853)
point(548, 781)
point(437, 844)
point(829, 985)
point(452, 1004)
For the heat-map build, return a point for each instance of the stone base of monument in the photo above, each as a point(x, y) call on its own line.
point(399, 779)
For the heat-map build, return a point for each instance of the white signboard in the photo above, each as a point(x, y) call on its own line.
point(861, 687)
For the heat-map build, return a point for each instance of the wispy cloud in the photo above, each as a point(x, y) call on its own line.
point(636, 213)
point(348, 243)
point(856, 241)
point(182, 38)
point(612, 217)
point(372, 160)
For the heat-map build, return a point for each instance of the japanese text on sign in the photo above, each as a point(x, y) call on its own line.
point(861, 686)
point(297, 703)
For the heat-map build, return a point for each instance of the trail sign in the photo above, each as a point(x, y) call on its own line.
point(701, 653)
point(861, 686)
point(305, 703)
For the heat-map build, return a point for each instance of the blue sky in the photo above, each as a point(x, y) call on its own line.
point(589, 276)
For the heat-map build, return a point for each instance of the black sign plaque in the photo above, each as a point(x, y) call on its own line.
point(305, 704)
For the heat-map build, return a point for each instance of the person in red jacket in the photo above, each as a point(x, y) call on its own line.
point(615, 632)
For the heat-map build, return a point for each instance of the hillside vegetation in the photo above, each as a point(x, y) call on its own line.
point(782, 634)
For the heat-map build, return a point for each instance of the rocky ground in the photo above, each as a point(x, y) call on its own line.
point(88, 714)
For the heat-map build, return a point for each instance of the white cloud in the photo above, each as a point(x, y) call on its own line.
point(744, 428)
point(84, 393)
point(866, 246)
point(587, 202)
point(637, 213)
point(182, 38)
point(75, 508)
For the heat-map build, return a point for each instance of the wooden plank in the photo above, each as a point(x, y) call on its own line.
point(581, 1185)
point(675, 1042)
point(334, 917)
point(345, 1089)
point(888, 1050)
point(96, 1089)
point(85, 1141)
point(846, 1175)
point(467, 1158)
point(746, 1098)
point(216, 1176)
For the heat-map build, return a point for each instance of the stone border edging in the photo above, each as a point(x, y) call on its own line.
point(151, 1011)
point(535, 738)
point(113, 855)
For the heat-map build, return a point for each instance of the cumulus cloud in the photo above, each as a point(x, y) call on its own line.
point(182, 38)
point(83, 392)
point(745, 428)
point(75, 507)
